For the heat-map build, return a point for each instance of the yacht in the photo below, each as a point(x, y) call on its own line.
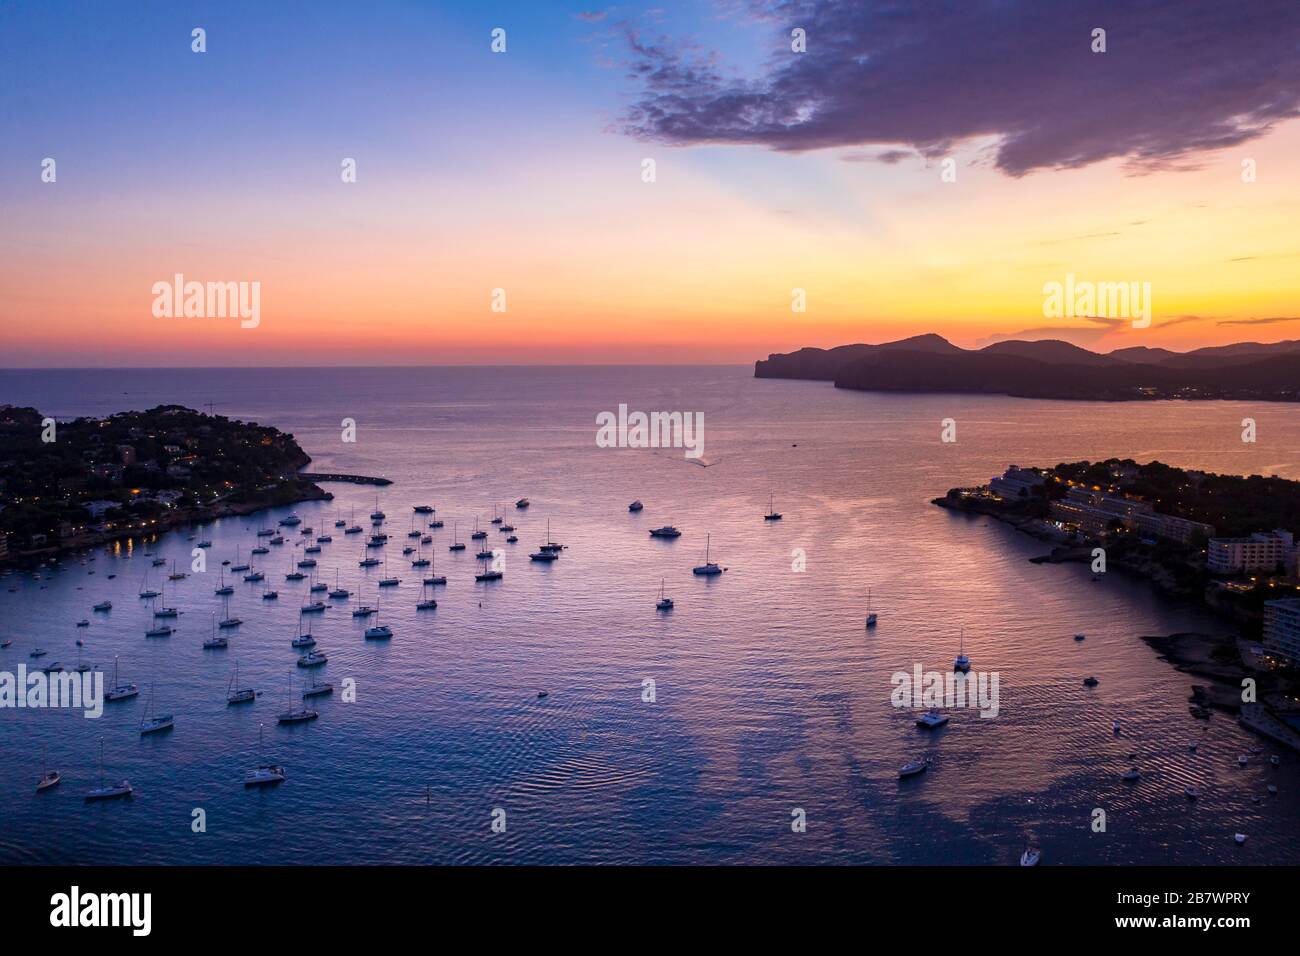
point(103, 606)
point(962, 663)
point(229, 622)
point(223, 588)
point(324, 539)
point(506, 528)
point(264, 774)
point(635, 506)
point(317, 688)
point(1031, 856)
point(667, 531)
point(1240, 838)
point(312, 659)
point(339, 522)
point(456, 543)
point(236, 694)
point(1192, 792)
point(913, 767)
point(664, 603)
point(339, 593)
point(307, 563)
point(932, 719)
point(83, 623)
point(1132, 775)
point(423, 509)
point(484, 555)
point(302, 638)
point(162, 630)
point(265, 532)
point(512, 540)
point(368, 562)
point(278, 539)
point(544, 556)
point(378, 632)
point(772, 513)
point(153, 723)
point(107, 791)
point(435, 579)
point(120, 691)
point(364, 610)
point(708, 568)
point(1243, 760)
point(477, 535)
point(254, 577)
point(269, 595)
point(1090, 682)
point(436, 524)
point(314, 607)
point(522, 503)
point(238, 566)
point(1080, 637)
point(38, 652)
point(377, 515)
point(290, 521)
point(146, 592)
point(420, 562)
point(318, 586)
point(261, 550)
point(489, 574)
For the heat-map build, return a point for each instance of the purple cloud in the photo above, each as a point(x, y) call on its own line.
point(1178, 78)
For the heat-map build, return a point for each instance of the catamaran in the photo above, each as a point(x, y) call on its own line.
point(962, 662)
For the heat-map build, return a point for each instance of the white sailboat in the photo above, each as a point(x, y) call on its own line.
point(107, 791)
point(264, 774)
point(120, 691)
point(49, 778)
point(379, 632)
point(153, 723)
point(664, 603)
point(236, 694)
point(708, 567)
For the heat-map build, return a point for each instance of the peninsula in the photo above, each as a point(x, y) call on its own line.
point(71, 484)
point(1051, 369)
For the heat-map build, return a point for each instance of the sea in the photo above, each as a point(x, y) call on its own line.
point(556, 717)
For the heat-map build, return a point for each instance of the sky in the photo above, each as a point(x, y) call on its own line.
point(916, 167)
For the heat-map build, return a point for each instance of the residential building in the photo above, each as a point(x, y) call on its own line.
point(1263, 551)
point(1282, 629)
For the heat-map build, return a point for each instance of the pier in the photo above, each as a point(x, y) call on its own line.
point(351, 479)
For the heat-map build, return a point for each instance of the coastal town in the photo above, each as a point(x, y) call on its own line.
point(1198, 535)
point(86, 481)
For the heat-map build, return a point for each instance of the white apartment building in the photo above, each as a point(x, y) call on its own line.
point(1282, 629)
point(1262, 551)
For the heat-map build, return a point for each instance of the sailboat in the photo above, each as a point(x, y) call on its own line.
point(107, 792)
point(772, 513)
point(236, 694)
point(553, 546)
point(708, 567)
point(238, 566)
point(339, 593)
point(302, 639)
point(664, 603)
point(316, 688)
point(379, 632)
point(489, 574)
point(871, 615)
point(217, 641)
point(425, 604)
point(353, 528)
point(146, 592)
point(298, 715)
point(49, 778)
point(264, 774)
point(962, 662)
point(456, 543)
point(120, 691)
point(153, 723)
point(228, 621)
point(477, 535)
point(163, 611)
point(223, 588)
point(386, 581)
point(377, 515)
point(176, 575)
point(435, 578)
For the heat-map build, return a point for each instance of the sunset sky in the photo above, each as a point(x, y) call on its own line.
point(522, 170)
